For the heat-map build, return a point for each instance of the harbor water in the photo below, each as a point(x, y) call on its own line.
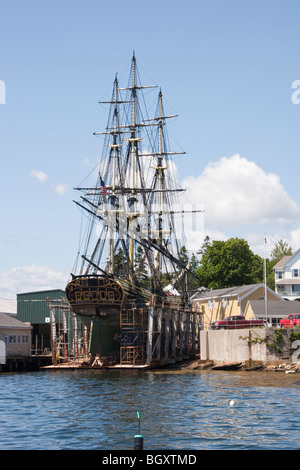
point(179, 410)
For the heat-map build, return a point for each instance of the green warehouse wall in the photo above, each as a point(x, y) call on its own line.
point(32, 306)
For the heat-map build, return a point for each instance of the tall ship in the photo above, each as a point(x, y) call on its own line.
point(130, 286)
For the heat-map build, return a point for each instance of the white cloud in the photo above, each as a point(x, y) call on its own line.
point(61, 189)
point(40, 175)
point(237, 192)
point(29, 279)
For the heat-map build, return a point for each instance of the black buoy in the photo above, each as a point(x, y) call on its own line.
point(138, 440)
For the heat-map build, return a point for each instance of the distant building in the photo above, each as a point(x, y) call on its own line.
point(65, 330)
point(33, 308)
point(15, 338)
point(287, 277)
point(221, 303)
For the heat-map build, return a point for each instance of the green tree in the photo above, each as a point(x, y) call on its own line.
point(193, 282)
point(280, 250)
point(183, 255)
point(270, 274)
point(120, 265)
point(206, 243)
point(192, 263)
point(257, 269)
point(229, 263)
point(141, 267)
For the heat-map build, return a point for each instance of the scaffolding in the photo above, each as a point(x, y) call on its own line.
point(69, 336)
point(133, 324)
point(149, 337)
point(158, 335)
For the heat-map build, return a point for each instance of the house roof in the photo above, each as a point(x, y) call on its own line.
point(8, 306)
point(45, 291)
point(295, 256)
point(282, 262)
point(225, 292)
point(275, 308)
point(285, 259)
point(6, 321)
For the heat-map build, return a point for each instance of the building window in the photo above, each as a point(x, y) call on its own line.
point(296, 288)
point(279, 274)
point(295, 272)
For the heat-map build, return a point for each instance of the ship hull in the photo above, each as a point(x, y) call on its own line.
point(105, 337)
point(97, 301)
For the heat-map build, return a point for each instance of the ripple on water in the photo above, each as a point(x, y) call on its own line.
point(97, 410)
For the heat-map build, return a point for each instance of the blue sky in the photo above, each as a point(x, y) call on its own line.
point(226, 67)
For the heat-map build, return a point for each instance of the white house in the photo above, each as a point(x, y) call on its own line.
point(287, 277)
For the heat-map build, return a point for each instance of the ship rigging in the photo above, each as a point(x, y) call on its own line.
point(131, 255)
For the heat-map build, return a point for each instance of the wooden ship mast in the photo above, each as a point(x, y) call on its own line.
point(132, 209)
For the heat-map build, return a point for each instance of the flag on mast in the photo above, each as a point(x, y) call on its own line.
point(103, 187)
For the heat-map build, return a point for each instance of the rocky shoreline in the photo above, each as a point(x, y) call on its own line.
point(197, 364)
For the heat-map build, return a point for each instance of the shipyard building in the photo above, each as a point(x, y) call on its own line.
point(55, 329)
point(33, 308)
